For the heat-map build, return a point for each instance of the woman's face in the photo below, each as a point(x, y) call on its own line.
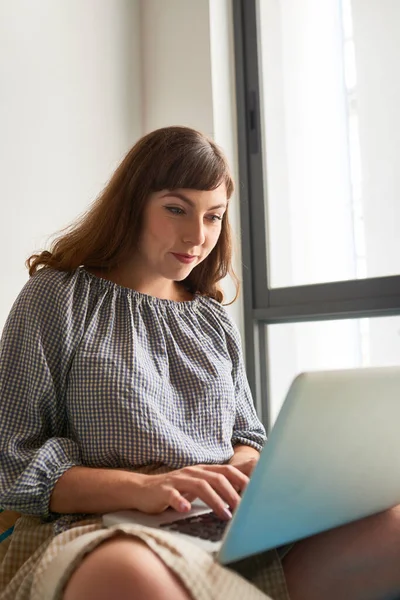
point(180, 229)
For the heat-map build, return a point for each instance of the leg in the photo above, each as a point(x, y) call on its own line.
point(126, 569)
point(359, 561)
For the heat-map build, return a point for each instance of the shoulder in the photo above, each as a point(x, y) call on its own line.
point(48, 292)
point(52, 305)
point(45, 287)
point(219, 316)
point(46, 281)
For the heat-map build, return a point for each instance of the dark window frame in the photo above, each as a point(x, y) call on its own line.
point(263, 305)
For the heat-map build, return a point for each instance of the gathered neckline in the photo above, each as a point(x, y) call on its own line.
point(140, 295)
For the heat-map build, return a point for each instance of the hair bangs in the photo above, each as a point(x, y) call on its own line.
point(202, 169)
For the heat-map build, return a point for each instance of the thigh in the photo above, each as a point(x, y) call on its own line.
point(117, 567)
point(358, 561)
point(197, 570)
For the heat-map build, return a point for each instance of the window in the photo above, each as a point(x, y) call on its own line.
point(318, 128)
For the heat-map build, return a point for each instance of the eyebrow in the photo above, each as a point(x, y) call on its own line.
point(189, 201)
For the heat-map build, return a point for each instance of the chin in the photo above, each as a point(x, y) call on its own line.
point(181, 277)
point(180, 274)
point(177, 274)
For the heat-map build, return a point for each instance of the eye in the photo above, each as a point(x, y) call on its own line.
point(175, 210)
point(214, 218)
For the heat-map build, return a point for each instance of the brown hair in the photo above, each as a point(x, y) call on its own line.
point(168, 158)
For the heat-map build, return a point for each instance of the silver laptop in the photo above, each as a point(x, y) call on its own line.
point(333, 456)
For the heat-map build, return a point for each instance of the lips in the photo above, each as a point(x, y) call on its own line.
point(186, 259)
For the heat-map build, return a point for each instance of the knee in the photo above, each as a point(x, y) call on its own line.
point(357, 560)
point(117, 568)
point(392, 515)
point(385, 523)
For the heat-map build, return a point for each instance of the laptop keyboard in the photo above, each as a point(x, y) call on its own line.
point(207, 526)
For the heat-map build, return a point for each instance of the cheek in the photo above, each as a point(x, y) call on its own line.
point(213, 238)
point(161, 230)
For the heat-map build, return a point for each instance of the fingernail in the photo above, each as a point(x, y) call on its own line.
point(183, 506)
point(227, 513)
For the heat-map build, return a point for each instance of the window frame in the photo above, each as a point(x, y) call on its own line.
point(263, 305)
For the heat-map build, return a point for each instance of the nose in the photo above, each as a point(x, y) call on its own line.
point(194, 233)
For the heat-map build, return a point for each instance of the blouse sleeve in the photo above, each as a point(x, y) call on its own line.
point(35, 350)
point(248, 429)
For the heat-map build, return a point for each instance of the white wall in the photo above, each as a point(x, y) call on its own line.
point(70, 107)
point(188, 79)
point(81, 81)
point(177, 87)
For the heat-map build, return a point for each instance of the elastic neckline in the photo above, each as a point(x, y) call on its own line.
point(106, 283)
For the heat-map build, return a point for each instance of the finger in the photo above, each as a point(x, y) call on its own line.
point(226, 480)
point(177, 500)
point(201, 488)
point(237, 478)
point(190, 497)
point(224, 488)
point(213, 498)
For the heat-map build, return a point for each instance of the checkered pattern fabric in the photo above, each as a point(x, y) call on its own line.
point(198, 571)
point(38, 565)
point(99, 375)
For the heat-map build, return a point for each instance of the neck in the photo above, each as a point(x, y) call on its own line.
point(130, 276)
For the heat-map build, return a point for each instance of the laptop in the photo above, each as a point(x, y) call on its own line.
point(333, 456)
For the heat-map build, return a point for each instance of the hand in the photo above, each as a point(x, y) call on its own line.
point(216, 485)
point(243, 464)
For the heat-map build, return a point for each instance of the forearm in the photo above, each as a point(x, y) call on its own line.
point(243, 451)
point(87, 490)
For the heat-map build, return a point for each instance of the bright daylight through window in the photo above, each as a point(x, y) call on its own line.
point(329, 129)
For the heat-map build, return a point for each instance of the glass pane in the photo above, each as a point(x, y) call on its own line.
point(331, 133)
point(348, 343)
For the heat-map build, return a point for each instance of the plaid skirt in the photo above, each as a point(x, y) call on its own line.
point(35, 564)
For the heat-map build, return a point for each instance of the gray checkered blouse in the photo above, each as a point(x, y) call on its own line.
point(95, 374)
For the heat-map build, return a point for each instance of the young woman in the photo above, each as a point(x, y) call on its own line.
point(122, 386)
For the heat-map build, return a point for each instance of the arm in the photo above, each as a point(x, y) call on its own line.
point(241, 451)
point(35, 449)
point(248, 436)
point(248, 432)
point(84, 489)
point(87, 490)
point(244, 458)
